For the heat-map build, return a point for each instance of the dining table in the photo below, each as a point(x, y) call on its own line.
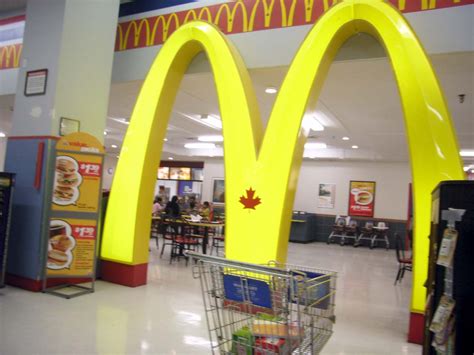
point(206, 225)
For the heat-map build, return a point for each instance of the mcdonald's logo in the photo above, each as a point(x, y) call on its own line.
point(236, 17)
point(10, 56)
point(269, 163)
point(247, 16)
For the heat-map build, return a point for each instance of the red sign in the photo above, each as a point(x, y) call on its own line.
point(89, 169)
point(83, 232)
point(362, 198)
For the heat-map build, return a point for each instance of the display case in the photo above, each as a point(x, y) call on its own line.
point(6, 189)
point(452, 212)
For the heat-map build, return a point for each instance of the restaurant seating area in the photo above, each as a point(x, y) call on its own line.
point(176, 235)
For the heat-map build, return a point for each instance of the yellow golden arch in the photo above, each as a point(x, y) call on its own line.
point(269, 163)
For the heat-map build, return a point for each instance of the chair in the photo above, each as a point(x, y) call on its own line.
point(182, 239)
point(165, 229)
point(404, 263)
point(155, 232)
point(366, 233)
point(217, 241)
point(338, 229)
point(380, 235)
point(350, 232)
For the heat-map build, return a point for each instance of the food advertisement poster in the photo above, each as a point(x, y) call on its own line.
point(326, 195)
point(77, 182)
point(71, 247)
point(218, 191)
point(362, 198)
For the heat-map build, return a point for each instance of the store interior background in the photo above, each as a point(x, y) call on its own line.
point(359, 100)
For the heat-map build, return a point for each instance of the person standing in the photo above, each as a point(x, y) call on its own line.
point(157, 206)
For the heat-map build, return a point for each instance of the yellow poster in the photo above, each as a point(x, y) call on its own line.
point(77, 185)
point(71, 247)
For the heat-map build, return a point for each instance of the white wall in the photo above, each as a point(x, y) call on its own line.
point(391, 197)
point(391, 194)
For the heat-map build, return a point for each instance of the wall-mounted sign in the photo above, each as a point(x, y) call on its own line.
point(68, 126)
point(362, 198)
point(218, 191)
point(326, 195)
point(35, 83)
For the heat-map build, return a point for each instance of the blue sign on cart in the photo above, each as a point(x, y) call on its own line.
point(242, 289)
point(316, 288)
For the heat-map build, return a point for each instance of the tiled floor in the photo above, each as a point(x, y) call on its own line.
point(166, 316)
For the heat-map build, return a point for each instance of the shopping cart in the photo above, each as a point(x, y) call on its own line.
point(265, 309)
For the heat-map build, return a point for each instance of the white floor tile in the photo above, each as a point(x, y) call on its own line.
point(166, 316)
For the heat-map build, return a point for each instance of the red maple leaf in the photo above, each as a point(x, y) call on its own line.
point(249, 201)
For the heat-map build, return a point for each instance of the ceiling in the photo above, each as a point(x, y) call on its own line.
point(359, 100)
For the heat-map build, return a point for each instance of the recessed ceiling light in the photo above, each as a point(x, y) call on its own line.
point(345, 138)
point(355, 147)
point(118, 156)
point(467, 153)
point(166, 139)
point(210, 138)
point(315, 146)
point(2, 135)
point(114, 146)
point(170, 158)
point(271, 90)
point(199, 145)
point(105, 133)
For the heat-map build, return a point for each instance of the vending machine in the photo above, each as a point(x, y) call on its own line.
point(450, 286)
point(7, 181)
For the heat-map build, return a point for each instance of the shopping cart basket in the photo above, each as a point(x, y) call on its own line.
point(265, 309)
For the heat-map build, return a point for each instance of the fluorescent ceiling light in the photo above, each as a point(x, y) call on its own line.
point(345, 138)
point(315, 146)
point(2, 135)
point(355, 147)
point(271, 90)
point(211, 139)
point(114, 146)
point(467, 153)
point(105, 133)
point(121, 120)
point(170, 158)
point(199, 145)
point(166, 139)
point(466, 168)
point(310, 122)
point(206, 120)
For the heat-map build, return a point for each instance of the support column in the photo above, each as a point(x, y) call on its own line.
point(74, 42)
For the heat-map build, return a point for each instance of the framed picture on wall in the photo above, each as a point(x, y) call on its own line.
point(218, 191)
point(362, 198)
point(326, 195)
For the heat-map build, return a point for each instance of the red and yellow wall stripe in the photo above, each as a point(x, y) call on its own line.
point(231, 17)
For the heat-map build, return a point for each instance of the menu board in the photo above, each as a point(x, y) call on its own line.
point(180, 173)
point(71, 247)
point(362, 198)
point(164, 173)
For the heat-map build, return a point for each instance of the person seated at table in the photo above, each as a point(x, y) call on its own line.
point(172, 208)
point(192, 208)
point(206, 210)
point(157, 206)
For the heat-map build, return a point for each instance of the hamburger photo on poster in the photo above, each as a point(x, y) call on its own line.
point(66, 181)
point(60, 245)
